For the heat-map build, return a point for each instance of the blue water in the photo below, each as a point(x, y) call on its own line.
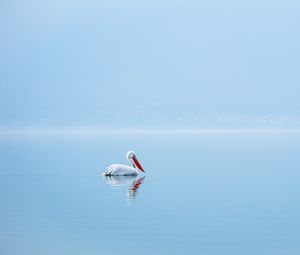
point(202, 194)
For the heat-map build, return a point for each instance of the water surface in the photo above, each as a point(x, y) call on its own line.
point(202, 194)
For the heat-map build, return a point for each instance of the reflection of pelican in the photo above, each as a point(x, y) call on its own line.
point(125, 170)
point(134, 187)
point(120, 180)
point(132, 182)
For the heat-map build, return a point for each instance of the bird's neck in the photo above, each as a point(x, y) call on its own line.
point(132, 163)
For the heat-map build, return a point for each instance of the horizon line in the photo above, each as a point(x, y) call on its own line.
point(147, 131)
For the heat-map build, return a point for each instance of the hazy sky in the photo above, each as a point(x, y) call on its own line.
point(212, 63)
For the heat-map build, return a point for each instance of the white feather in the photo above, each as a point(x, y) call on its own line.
point(119, 169)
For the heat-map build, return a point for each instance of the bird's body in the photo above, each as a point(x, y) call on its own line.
point(119, 169)
point(125, 170)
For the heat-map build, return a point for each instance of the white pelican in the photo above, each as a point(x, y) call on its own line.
point(119, 169)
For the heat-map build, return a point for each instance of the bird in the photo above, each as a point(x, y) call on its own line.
point(125, 170)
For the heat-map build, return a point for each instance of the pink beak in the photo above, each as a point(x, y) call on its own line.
point(137, 163)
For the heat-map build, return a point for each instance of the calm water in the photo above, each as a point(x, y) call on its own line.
point(202, 194)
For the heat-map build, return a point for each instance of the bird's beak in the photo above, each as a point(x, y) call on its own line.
point(137, 163)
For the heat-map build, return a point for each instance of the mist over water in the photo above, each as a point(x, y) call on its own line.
point(205, 92)
point(201, 194)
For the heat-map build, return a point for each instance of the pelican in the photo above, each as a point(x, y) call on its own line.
point(125, 170)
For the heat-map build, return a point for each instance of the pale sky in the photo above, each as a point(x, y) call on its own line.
point(144, 64)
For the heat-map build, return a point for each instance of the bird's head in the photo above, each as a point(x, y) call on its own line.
point(131, 156)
